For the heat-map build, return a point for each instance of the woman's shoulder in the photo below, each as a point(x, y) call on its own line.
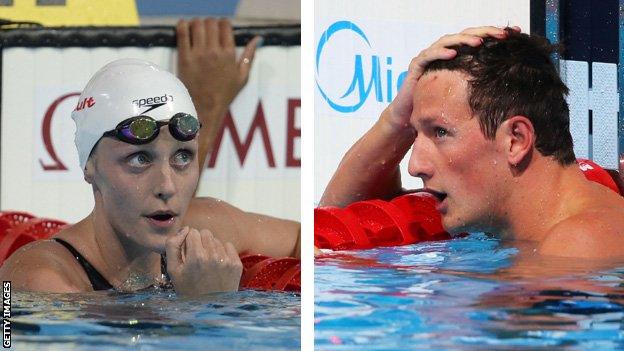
point(213, 214)
point(206, 202)
point(43, 265)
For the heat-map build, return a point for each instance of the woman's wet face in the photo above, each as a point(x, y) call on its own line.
point(144, 191)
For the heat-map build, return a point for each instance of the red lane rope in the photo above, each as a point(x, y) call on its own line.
point(259, 272)
point(20, 234)
point(407, 219)
point(10, 219)
point(266, 274)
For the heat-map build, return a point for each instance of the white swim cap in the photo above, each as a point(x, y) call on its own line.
point(122, 89)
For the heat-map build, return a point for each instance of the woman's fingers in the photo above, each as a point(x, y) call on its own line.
point(198, 34)
point(220, 251)
point(234, 258)
point(214, 249)
point(211, 33)
point(231, 251)
point(174, 248)
point(210, 265)
point(247, 57)
point(208, 242)
point(194, 248)
point(183, 37)
point(226, 36)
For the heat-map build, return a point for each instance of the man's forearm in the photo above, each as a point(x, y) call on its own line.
point(370, 169)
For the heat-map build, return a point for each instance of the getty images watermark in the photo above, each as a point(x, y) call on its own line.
point(6, 314)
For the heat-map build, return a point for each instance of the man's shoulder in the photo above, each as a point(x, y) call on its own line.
point(595, 233)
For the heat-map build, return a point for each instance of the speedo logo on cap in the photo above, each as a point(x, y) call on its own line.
point(152, 102)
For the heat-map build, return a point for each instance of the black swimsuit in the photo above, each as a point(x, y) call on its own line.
point(98, 282)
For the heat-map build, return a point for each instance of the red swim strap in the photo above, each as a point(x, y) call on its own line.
point(407, 219)
point(595, 173)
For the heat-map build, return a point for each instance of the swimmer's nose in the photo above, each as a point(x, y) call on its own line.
point(165, 187)
point(419, 163)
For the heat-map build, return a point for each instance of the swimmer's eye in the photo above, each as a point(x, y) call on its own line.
point(440, 132)
point(182, 158)
point(139, 159)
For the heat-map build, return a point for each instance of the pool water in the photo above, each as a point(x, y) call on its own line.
point(155, 320)
point(471, 293)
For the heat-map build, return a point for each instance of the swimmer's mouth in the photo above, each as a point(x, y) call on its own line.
point(440, 196)
point(162, 216)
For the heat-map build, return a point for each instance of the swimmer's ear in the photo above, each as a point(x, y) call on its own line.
point(89, 170)
point(518, 137)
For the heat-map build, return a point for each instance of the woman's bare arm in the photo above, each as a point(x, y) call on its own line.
point(248, 232)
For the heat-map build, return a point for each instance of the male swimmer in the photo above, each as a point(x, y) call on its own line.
point(142, 163)
point(484, 112)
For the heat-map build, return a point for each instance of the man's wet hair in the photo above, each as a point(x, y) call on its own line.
point(516, 76)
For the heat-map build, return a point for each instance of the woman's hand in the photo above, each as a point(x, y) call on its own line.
point(199, 263)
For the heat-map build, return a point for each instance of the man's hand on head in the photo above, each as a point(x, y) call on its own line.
point(398, 113)
point(376, 156)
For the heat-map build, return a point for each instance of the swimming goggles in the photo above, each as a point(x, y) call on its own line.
point(143, 129)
